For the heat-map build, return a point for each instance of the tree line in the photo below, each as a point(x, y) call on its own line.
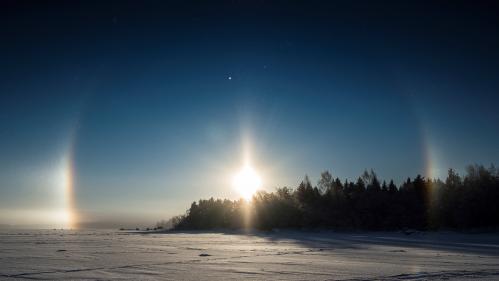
point(368, 203)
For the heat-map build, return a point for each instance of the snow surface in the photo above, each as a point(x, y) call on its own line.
point(106, 255)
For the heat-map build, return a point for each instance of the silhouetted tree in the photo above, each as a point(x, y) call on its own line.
point(326, 182)
point(463, 203)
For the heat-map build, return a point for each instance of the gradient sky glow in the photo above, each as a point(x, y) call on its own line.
point(152, 105)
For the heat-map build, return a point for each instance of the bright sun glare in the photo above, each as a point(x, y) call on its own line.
point(247, 182)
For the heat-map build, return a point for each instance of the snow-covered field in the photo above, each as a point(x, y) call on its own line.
point(103, 255)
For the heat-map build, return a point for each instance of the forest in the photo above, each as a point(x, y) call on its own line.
point(460, 202)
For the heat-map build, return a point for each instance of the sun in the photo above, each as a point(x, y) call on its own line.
point(247, 182)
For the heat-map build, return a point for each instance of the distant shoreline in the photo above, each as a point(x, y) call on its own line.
point(407, 232)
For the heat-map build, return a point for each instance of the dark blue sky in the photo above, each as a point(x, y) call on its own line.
point(152, 104)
